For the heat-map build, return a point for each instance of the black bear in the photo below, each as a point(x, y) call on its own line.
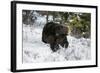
point(55, 35)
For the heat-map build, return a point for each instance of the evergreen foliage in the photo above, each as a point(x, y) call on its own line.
point(79, 23)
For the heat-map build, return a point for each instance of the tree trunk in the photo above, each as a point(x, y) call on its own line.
point(47, 17)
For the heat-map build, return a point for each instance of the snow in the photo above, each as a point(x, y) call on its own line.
point(35, 51)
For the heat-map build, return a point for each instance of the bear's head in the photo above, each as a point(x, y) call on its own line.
point(61, 30)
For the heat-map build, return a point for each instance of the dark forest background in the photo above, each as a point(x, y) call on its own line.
point(79, 24)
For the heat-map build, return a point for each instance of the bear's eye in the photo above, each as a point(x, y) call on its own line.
point(59, 28)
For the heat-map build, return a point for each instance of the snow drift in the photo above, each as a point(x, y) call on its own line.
point(34, 50)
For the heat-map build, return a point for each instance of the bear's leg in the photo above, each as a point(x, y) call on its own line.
point(62, 44)
point(65, 43)
point(54, 47)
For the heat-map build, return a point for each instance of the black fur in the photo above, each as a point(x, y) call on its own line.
point(55, 35)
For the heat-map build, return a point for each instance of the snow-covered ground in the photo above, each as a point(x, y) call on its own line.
point(34, 50)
